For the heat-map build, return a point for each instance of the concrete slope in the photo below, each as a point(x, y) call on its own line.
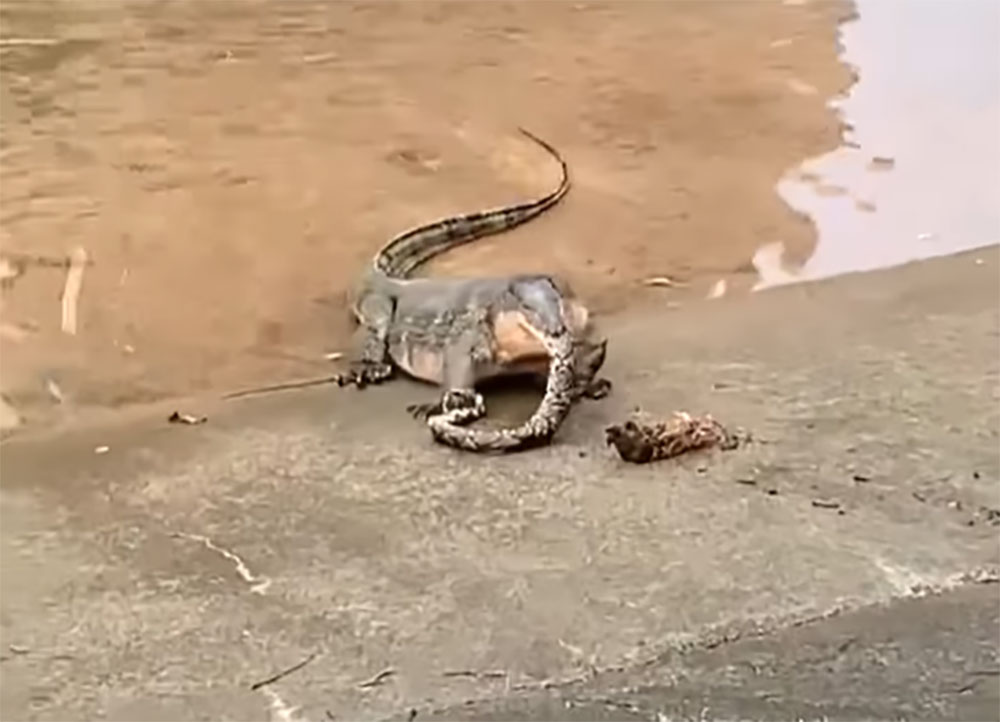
point(162, 578)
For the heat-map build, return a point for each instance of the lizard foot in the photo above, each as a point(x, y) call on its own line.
point(596, 389)
point(365, 373)
point(423, 412)
point(461, 406)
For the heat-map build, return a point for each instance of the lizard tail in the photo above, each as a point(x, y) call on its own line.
point(538, 430)
point(400, 256)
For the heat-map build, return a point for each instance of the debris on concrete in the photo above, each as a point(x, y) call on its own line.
point(826, 503)
point(991, 516)
point(55, 391)
point(178, 418)
point(662, 281)
point(640, 442)
point(283, 673)
point(473, 674)
point(378, 679)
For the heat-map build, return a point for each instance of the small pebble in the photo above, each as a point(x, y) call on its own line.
point(102, 449)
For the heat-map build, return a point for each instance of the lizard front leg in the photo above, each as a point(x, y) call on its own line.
point(372, 365)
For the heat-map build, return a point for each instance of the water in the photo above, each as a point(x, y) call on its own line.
point(918, 174)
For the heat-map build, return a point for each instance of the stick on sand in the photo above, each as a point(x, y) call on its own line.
point(71, 291)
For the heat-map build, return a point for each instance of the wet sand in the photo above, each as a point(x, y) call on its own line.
point(229, 172)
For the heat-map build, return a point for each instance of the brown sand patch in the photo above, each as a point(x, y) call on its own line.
point(229, 167)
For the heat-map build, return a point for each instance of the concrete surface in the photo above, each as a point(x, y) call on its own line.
point(932, 658)
point(160, 579)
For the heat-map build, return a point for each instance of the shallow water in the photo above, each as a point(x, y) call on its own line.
point(918, 174)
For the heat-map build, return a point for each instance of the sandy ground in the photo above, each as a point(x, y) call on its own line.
point(161, 579)
point(230, 167)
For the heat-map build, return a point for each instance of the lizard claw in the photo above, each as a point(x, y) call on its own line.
point(422, 412)
point(597, 389)
point(461, 405)
point(364, 373)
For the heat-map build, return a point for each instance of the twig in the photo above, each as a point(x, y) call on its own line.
point(8, 42)
point(282, 387)
point(476, 675)
point(664, 281)
point(826, 503)
point(378, 678)
point(34, 259)
point(283, 673)
point(71, 291)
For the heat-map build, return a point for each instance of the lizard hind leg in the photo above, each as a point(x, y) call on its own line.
point(456, 406)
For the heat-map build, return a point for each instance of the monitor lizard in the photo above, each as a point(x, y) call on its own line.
point(457, 332)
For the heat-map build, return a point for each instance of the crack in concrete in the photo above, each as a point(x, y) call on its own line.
point(733, 632)
point(258, 585)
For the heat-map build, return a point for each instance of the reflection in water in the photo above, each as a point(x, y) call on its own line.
point(921, 157)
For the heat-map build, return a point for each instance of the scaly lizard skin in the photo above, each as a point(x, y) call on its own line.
point(458, 332)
